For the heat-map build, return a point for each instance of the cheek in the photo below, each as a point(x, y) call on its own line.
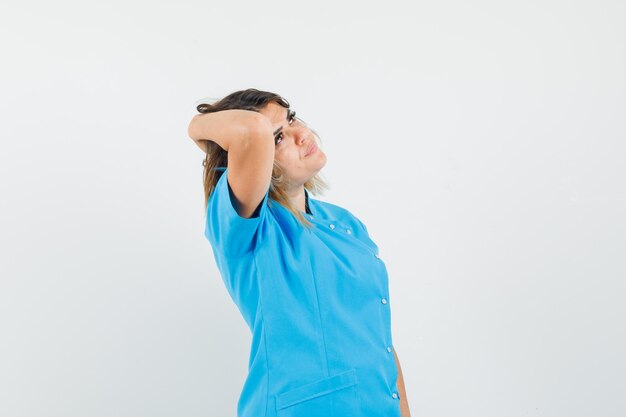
point(279, 156)
point(288, 158)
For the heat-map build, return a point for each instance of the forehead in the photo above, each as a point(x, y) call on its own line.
point(275, 112)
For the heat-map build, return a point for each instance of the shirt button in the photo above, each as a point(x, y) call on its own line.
point(310, 216)
point(384, 301)
point(349, 231)
point(332, 226)
point(394, 395)
point(377, 255)
point(388, 348)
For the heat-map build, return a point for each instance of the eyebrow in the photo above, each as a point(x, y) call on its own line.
point(287, 118)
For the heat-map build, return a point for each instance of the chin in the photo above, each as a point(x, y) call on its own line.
point(319, 167)
point(322, 160)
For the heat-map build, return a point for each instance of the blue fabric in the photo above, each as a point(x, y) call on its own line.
point(317, 304)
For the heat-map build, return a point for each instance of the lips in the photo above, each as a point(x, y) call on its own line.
point(311, 149)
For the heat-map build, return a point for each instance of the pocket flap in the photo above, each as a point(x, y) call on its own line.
point(315, 389)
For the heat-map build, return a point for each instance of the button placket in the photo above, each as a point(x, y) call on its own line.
point(384, 301)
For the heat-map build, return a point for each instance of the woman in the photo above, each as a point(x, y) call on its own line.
point(304, 273)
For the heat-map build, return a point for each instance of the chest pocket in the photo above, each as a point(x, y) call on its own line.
point(333, 396)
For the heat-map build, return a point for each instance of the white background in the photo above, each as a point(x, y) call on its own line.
point(482, 143)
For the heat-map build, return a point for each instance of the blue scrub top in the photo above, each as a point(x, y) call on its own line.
point(317, 304)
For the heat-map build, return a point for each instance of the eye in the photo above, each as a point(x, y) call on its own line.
point(291, 117)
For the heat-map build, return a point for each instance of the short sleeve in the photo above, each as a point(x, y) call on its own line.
point(228, 232)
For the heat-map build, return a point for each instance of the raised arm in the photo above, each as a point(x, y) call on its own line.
point(247, 137)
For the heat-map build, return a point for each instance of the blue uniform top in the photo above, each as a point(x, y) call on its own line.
point(317, 304)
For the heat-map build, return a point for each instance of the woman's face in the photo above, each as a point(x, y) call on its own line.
point(296, 148)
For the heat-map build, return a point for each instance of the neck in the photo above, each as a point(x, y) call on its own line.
point(297, 197)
